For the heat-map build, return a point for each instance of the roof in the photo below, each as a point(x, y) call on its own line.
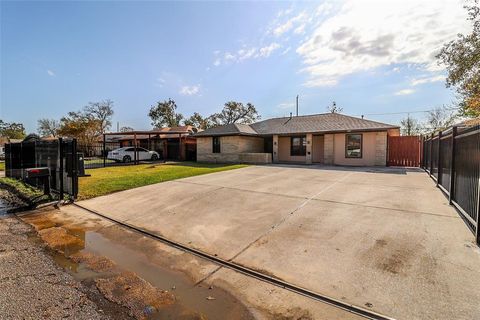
point(318, 123)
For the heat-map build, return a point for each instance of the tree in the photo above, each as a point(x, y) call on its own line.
point(410, 126)
point(462, 60)
point(235, 112)
point(101, 112)
point(12, 130)
point(126, 129)
point(81, 126)
point(334, 108)
point(164, 114)
point(48, 127)
point(198, 121)
point(439, 119)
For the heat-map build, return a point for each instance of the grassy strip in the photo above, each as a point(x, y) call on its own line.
point(2, 166)
point(23, 191)
point(111, 179)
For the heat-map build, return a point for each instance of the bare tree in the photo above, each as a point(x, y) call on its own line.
point(439, 119)
point(410, 126)
point(101, 112)
point(334, 108)
point(48, 127)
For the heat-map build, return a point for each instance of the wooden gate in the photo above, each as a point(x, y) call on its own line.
point(404, 151)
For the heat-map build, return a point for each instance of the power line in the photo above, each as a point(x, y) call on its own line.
point(402, 112)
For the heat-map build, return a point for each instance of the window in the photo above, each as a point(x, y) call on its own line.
point(298, 146)
point(353, 146)
point(216, 144)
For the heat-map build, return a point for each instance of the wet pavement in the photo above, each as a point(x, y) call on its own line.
point(120, 264)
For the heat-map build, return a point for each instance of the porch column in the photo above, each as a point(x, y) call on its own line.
point(275, 148)
point(308, 157)
point(328, 142)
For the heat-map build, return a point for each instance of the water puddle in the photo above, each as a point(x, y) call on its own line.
point(126, 273)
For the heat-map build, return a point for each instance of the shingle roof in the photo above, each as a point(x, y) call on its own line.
point(326, 122)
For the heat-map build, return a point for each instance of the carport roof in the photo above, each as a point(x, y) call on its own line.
point(318, 123)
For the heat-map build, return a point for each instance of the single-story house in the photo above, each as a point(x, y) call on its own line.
point(172, 143)
point(329, 138)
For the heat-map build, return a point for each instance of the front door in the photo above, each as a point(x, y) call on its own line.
point(317, 148)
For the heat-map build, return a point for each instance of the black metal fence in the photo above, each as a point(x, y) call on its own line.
point(59, 155)
point(452, 158)
point(98, 155)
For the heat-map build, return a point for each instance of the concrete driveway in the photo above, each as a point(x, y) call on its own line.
point(384, 239)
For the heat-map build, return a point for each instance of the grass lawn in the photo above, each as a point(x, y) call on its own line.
point(110, 179)
point(2, 166)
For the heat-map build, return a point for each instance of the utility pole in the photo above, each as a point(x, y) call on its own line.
point(297, 105)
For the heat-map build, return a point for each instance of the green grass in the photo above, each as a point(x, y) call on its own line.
point(2, 166)
point(111, 179)
point(22, 190)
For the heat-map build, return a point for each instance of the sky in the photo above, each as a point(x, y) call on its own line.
point(375, 58)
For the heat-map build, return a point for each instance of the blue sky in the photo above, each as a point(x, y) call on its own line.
point(370, 57)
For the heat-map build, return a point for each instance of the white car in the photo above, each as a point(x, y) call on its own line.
point(127, 154)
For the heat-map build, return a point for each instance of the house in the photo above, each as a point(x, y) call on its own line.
point(329, 138)
point(172, 143)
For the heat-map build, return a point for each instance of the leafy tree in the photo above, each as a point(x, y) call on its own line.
point(81, 126)
point(439, 119)
point(198, 121)
point(100, 112)
point(410, 126)
point(235, 112)
point(164, 114)
point(12, 130)
point(462, 59)
point(126, 129)
point(48, 127)
point(334, 108)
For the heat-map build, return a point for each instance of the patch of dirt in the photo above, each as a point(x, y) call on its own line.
point(293, 314)
point(94, 262)
point(58, 239)
point(392, 255)
point(134, 293)
point(40, 221)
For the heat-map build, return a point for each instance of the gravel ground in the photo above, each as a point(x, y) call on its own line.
point(32, 286)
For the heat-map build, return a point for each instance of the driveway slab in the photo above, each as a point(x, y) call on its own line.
point(380, 238)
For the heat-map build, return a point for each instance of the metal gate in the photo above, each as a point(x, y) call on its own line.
point(404, 151)
point(59, 155)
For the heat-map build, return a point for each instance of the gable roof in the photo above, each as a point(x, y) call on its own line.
point(318, 123)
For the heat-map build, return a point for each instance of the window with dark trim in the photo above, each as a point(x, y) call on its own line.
point(298, 146)
point(216, 144)
point(353, 145)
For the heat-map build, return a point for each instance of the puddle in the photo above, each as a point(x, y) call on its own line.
point(85, 260)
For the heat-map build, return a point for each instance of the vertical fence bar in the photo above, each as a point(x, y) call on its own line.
point(431, 154)
point(74, 169)
point(104, 151)
point(452, 167)
point(135, 148)
point(439, 158)
point(60, 151)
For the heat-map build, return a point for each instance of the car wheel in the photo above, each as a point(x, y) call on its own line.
point(154, 157)
point(127, 159)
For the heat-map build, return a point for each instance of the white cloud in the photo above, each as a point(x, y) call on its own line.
point(267, 51)
point(298, 21)
point(51, 73)
point(160, 82)
point(404, 92)
point(286, 51)
point(217, 62)
point(416, 82)
point(364, 35)
point(286, 105)
point(190, 90)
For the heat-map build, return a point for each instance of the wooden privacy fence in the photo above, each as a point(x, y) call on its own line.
point(452, 158)
point(404, 151)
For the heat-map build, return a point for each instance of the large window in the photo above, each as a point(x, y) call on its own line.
point(298, 146)
point(353, 145)
point(216, 144)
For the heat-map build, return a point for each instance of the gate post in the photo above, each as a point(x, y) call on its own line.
point(452, 167)
point(60, 151)
point(104, 151)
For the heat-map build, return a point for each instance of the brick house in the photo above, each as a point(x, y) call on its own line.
point(329, 138)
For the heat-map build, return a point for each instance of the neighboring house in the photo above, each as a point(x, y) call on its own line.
point(174, 143)
point(329, 138)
